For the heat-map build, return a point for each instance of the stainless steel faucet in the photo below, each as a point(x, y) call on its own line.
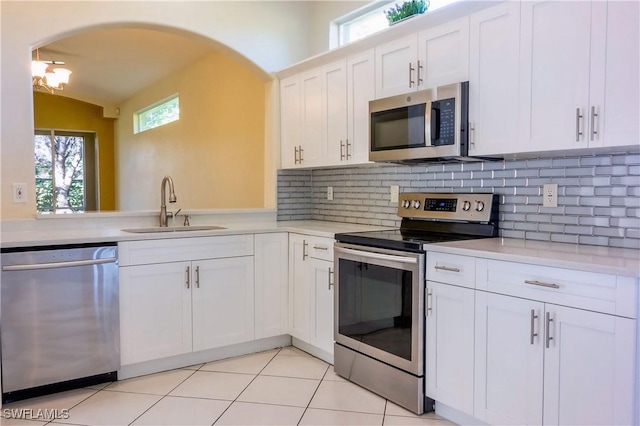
point(163, 199)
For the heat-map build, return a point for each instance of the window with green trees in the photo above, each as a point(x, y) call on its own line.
point(156, 115)
point(65, 169)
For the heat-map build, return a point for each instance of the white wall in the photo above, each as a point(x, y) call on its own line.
point(322, 13)
point(271, 35)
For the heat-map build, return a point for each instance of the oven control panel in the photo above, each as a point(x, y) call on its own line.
point(450, 206)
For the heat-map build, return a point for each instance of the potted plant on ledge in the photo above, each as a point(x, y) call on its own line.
point(406, 10)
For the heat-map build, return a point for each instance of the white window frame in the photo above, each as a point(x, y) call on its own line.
point(139, 115)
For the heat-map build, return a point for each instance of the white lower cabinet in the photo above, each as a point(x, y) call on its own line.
point(514, 343)
point(222, 300)
point(155, 312)
point(173, 308)
point(508, 367)
point(449, 345)
point(271, 284)
point(321, 306)
point(311, 290)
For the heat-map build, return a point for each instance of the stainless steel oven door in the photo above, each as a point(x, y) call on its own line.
point(379, 304)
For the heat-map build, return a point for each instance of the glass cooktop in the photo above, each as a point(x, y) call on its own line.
point(400, 239)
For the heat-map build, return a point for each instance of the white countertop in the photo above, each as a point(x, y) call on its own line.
point(55, 236)
point(607, 260)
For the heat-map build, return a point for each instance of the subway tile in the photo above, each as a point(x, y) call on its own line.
point(593, 240)
point(538, 236)
point(512, 234)
point(578, 230)
point(538, 218)
point(553, 172)
point(594, 221)
point(626, 159)
point(568, 220)
point(625, 201)
point(565, 162)
point(630, 243)
point(603, 160)
point(579, 190)
point(551, 228)
point(608, 231)
point(583, 211)
point(564, 238)
point(594, 201)
point(527, 173)
point(493, 165)
point(515, 164)
point(633, 233)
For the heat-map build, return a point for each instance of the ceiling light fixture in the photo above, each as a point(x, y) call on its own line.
point(48, 75)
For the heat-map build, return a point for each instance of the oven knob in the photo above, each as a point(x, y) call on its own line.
point(466, 206)
point(479, 206)
point(406, 204)
point(416, 204)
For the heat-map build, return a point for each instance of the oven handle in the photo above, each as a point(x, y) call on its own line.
point(378, 256)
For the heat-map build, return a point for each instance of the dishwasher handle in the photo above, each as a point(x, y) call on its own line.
point(52, 265)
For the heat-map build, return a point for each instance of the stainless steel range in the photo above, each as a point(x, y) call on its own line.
point(379, 295)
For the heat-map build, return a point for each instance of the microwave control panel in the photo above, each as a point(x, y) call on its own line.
point(443, 122)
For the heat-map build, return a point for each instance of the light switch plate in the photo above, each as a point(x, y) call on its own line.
point(330, 193)
point(395, 192)
point(19, 192)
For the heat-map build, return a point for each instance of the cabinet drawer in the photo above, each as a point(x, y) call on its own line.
point(320, 248)
point(597, 292)
point(451, 269)
point(181, 249)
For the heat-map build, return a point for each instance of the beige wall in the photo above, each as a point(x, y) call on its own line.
point(322, 13)
point(214, 152)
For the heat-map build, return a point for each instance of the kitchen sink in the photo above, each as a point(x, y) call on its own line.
point(172, 229)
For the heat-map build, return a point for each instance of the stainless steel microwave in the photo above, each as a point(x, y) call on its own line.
point(423, 126)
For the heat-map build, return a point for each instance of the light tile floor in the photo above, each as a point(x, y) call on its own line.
point(279, 387)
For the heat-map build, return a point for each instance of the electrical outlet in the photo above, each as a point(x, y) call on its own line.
point(19, 192)
point(330, 193)
point(550, 195)
point(395, 192)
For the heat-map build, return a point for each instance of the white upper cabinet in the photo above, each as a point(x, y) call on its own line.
point(397, 67)
point(361, 90)
point(443, 54)
point(334, 110)
point(311, 128)
point(615, 93)
point(290, 121)
point(493, 79)
point(325, 113)
point(555, 54)
point(578, 75)
point(431, 58)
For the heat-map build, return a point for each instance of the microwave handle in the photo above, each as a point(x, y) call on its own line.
point(435, 123)
point(427, 121)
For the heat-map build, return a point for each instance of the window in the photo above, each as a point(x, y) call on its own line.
point(371, 19)
point(156, 115)
point(65, 171)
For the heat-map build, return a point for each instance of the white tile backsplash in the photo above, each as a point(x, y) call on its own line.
point(598, 203)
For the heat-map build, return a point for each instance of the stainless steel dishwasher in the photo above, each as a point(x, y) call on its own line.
point(59, 318)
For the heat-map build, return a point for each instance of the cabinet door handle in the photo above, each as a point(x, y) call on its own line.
point(341, 150)
point(317, 247)
point(198, 276)
point(419, 74)
point(578, 118)
point(295, 155)
point(300, 150)
point(594, 115)
point(188, 276)
point(429, 301)
point(304, 249)
point(411, 69)
point(329, 278)
point(533, 318)
point(541, 284)
point(548, 329)
point(348, 149)
point(445, 268)
point(472, 133)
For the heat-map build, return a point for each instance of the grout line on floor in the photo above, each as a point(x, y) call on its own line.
point(163, 396)
point(245, 388)
point(314, 394)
